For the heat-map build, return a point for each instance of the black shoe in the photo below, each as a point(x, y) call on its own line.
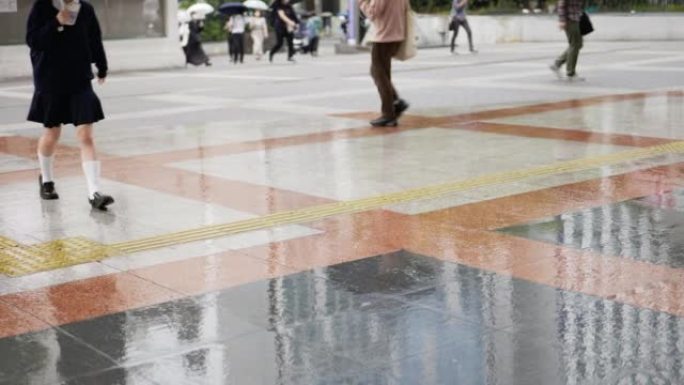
point(400, 106)
point(100, 201)
point(291, 60)
point(384, 122)
point(47, 190)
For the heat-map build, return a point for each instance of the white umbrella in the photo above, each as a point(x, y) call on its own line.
point(183, 16)
point(200, 9)
point(256, 4)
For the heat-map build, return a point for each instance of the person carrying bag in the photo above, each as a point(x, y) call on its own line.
point(393, 36)
point(576, 24)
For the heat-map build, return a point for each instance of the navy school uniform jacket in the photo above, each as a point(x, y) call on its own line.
point(62, 60)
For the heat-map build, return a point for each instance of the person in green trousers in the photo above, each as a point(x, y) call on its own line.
point(569, 13)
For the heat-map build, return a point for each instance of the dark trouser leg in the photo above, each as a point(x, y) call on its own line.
point(314, 45)
point(240, 40)
point(229, 39)
point(456, 24)
point(290, 45)
point(576, 41)
point(234, 48)
point(381, 71)
point(280, 39)
point(571, 54)
point(466, 26)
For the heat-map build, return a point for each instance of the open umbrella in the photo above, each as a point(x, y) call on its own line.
point(232, 8)
point(201, 9)
point(256, 4)
point(183, 16)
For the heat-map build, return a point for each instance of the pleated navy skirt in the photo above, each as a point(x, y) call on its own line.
point(78, 108)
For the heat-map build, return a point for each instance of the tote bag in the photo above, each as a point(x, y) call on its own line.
point(409, 47)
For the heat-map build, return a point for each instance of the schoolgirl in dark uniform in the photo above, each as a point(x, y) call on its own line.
point(64, 44)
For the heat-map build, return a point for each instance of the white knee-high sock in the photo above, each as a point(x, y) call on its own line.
point(46, 167)
point(91, 169)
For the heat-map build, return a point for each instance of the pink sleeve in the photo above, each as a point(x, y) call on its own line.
point(373, 8)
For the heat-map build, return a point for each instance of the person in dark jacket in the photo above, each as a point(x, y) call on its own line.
point(64, 44)
point(285, 24)
point(194, 52)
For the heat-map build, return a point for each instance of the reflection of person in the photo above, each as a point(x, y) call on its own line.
point(569, 14)
point(259, 32)
point(458, 19)
point(194, 53)
point(62, 52)
point(389, 19)
point(236, 27)
point(285, 24)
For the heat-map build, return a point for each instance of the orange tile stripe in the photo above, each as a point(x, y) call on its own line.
point(524, 208)
point(564, 134)
point(85, 299)
point(374, 233)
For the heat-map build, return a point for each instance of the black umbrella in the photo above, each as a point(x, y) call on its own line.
point(232, 8)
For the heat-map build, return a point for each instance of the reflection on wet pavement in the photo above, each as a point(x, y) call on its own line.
point(513, 230)
point(649, 229)
point(423, 321)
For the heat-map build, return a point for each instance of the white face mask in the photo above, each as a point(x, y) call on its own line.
point(73, 7)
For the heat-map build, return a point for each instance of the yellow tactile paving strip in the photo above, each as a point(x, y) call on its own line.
point(7, 243)
point(21, 260)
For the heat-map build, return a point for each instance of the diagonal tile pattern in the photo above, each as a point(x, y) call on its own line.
point(513, 230)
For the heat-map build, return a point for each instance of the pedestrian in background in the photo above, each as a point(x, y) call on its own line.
point(389, 19)
point(313, 32)
point(569, 14)
point(285, 23)
point(64, 44)
point(194, 52)
point(236, 27)
point(458, 20)
point(259, 32)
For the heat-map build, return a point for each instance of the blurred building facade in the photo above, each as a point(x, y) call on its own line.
point(138, 34)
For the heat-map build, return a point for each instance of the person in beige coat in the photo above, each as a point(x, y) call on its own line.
point(259, 31)
point(389, 19)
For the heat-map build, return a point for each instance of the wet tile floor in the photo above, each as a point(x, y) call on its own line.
point(398, 318)
point(648, 229)
point(513, 229)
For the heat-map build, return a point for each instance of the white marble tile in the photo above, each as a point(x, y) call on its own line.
point(135, 140)
point(208, 247)
point(10, 163)
point(137, 213)
point(654, 117)
point(54, 277)
point(363, 167)
point(463, 198)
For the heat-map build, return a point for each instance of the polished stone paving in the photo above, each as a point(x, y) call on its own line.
point(515, 229)
point(397, 318)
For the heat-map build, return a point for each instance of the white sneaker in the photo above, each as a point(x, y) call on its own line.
point(556, 70)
